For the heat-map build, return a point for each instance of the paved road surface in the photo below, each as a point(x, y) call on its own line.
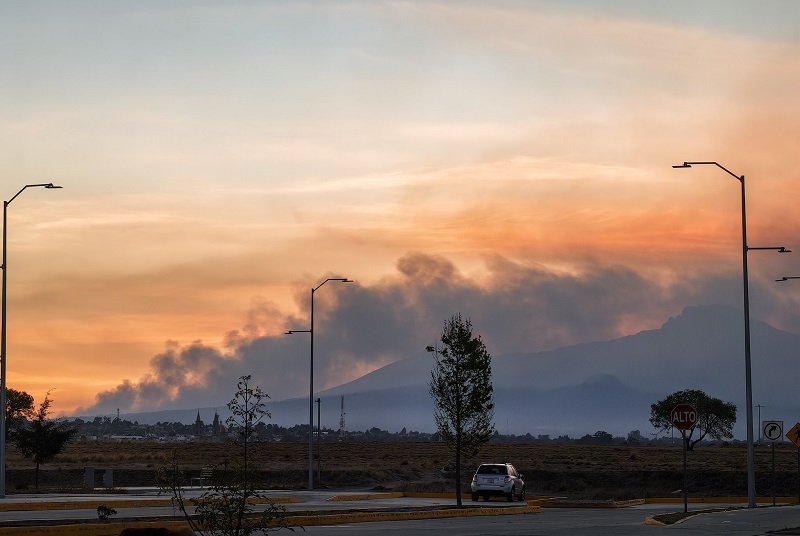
point(583, 522)
point(550, 522)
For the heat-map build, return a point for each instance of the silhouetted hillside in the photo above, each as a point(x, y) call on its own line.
point(584, 388)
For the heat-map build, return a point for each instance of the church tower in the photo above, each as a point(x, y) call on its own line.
point(198, 425)
point(216, 428)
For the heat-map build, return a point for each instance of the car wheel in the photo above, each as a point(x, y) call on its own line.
point(510, 496)
point(522, 494)
point(486, 498)
point(474, 497)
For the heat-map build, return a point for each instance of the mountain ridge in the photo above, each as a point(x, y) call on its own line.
point(577, 389)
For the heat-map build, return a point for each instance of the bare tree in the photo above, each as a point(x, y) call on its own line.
point(226, 509)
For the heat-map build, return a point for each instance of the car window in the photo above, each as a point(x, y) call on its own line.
point(492, 470)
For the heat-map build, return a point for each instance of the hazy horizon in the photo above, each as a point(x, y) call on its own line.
point(510, 161)
point(572, 390)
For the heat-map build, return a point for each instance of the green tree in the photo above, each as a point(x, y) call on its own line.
point(461, 386)
point(19, 408)
point(41, 438)
point(635, 438)
point(715, 418)
point(601, 437)
point(227, 507)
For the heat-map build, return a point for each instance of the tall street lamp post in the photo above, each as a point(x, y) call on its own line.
point(310, 331)
point(751, 471)
point(3, 354)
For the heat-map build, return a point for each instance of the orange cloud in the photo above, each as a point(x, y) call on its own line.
point(541, 137)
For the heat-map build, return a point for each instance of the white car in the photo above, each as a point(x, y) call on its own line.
point(497, 480)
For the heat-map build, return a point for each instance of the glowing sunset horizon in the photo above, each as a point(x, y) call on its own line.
point(511, 161)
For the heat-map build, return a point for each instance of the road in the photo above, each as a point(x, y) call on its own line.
point(549, 522)
point(583, 522)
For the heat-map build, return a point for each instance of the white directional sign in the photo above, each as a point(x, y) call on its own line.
point(772, 430)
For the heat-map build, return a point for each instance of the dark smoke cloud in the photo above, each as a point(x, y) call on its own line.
point(515, 308)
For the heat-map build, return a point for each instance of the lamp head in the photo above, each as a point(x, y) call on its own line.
point(784, 250)
point(684, 165)
point(51, 185)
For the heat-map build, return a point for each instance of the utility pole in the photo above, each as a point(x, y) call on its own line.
point(319, 428)
point(341, 421)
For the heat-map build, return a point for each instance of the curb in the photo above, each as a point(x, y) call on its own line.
point(84, 529)
point(112, 529)
point(118, 503)
point(335, 519)
point(81, 505)
point(717, 500)
point(650, 520)
point(368, 496)
point(588, 504)
point(418, 495)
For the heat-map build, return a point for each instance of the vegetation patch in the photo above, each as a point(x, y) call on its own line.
point(602, 472)
point(677, 517)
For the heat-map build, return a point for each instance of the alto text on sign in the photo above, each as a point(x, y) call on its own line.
point(684, 417)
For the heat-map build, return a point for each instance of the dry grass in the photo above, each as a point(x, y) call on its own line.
point(422, 456)
point(590, 471)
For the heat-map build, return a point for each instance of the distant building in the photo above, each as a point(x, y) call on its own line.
point(198, 425)
point(217, 428)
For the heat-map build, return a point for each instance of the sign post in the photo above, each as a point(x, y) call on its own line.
point(773, 432)
point(684, 417)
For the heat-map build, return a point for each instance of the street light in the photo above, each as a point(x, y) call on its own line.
point(310, 331)
point(751, 470)
point(3, 354)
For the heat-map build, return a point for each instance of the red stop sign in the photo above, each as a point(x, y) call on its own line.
point(684, 417)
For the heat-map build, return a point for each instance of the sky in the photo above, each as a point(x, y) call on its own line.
point(507, 160)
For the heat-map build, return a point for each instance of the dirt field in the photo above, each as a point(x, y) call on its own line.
point(578, 471)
